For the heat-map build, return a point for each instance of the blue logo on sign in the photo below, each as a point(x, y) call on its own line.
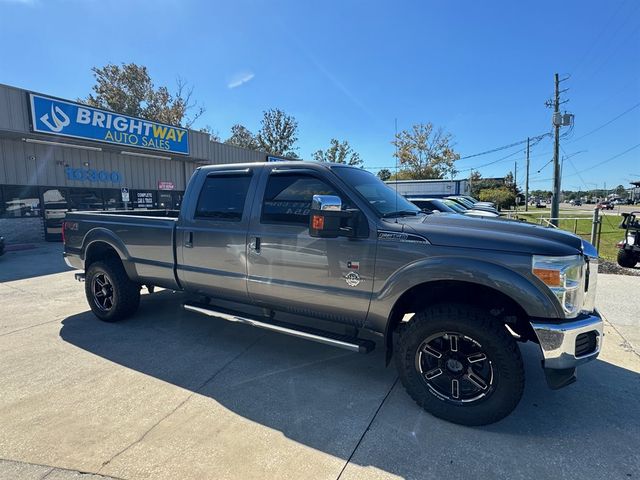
point(69, 119)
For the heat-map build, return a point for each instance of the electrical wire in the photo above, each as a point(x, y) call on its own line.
point(606, 124)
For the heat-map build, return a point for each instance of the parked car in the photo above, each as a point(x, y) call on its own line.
point(449, 206)
point(446, 296)
point(605, 206)
point(469, 205)
point(478, 202)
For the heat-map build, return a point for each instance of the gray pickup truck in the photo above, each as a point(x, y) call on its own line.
point(329, 253)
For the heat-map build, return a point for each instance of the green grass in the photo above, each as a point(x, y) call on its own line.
point(610, 233)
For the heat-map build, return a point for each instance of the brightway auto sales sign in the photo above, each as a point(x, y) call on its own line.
point(69, 119)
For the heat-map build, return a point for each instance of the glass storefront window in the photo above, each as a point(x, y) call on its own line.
point(165, 201)
point(55, 206)
point(112, 199)
point(20, 202)
point(85, 199)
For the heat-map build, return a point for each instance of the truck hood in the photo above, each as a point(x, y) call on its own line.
point(492, 234)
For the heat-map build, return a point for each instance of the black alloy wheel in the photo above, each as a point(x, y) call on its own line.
point(102, 289)
point(454, 367)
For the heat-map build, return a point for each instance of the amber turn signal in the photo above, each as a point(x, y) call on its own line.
point(549, 277)
point(317, 222)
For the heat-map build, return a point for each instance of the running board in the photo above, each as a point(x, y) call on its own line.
point(348, 343)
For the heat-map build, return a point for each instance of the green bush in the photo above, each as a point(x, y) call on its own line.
point(502, 197)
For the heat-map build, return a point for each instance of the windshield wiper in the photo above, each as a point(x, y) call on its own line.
point(401, 213)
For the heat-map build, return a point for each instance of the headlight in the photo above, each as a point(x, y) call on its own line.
point(565, 278)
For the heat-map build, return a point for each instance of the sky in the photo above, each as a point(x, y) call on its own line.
point(348, 69)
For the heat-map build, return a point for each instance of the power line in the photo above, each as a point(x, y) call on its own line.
point(611, 158)
point(505, 147)
point(607, 123)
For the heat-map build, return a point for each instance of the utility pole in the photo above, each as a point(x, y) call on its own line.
point(526, 184)
point(515, 182)
point(555, 201)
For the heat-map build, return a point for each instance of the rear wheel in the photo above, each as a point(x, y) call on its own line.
point(458, 363)
point(627, 259)
point(112, 296)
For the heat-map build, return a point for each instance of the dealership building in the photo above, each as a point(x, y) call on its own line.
point(58, 155)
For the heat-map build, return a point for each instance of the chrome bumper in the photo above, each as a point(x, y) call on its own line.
point(558, 341)
point(73, 261)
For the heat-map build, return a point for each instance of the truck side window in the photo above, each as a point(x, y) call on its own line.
point(223, 197)
point(287, 198)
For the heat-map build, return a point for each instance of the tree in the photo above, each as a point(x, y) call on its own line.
point(242, 137)
point(503, 197)
point(278, 133)
point(128, 89)
point(621, 191)
point(214, 135)
point(338, 152)
point(425, 152)
point(384, 174)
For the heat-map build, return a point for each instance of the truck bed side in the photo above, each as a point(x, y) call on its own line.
point(144, 241)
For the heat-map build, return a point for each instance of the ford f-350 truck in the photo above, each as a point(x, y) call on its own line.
point(447, 296)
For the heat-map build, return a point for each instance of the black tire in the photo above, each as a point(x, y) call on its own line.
point(108, 279)
point(627, 259)
point(477, 332)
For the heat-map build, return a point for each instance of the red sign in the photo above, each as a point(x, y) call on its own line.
point(162, 185)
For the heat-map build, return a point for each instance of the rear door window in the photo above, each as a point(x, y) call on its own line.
point(223, 197)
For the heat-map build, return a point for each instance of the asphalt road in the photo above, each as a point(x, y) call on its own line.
point(170, 394)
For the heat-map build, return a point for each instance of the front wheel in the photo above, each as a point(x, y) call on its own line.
point(460, 364)
point(627, 259)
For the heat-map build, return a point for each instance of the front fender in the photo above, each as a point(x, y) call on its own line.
point(100, 234)
point(535, 300)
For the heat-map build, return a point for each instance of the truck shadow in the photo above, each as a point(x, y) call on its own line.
point(324, 398)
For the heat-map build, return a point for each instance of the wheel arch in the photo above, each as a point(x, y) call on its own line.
point(502, 306)
point(101, 243)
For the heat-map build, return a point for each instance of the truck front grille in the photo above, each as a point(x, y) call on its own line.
point(586, 343)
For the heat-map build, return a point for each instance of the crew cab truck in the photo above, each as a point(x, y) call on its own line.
point(447, 296)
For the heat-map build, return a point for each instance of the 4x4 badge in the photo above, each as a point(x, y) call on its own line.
point(352, 279)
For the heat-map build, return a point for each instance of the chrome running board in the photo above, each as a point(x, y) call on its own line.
point(348, 343)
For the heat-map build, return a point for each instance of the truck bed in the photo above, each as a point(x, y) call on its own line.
point(146, 239)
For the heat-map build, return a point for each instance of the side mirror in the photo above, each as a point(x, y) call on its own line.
point(328, 220)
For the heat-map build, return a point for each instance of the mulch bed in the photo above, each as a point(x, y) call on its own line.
point(612, 267)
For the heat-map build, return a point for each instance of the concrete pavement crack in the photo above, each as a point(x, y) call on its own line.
point(368, 428)
point(32, 326)
point(174, 410)
point(626, 344)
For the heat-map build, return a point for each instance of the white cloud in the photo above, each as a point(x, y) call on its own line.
point(239, 79)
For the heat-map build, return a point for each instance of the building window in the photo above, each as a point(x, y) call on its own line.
point(20, 202)
point(112, 199)
point(164, 200)
point(222, 198)
point(85, 199)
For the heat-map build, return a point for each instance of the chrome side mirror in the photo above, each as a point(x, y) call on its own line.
point(326, 203)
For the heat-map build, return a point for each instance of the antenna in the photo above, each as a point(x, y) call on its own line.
point(396, 144)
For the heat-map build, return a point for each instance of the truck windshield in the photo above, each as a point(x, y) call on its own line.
point(384, 199)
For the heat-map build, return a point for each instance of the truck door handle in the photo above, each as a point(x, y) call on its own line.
point(188, 243)
point(255, 245)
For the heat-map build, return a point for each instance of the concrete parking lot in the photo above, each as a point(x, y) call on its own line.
point(170, 394)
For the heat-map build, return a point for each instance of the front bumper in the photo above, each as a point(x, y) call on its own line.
point(561, 347)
